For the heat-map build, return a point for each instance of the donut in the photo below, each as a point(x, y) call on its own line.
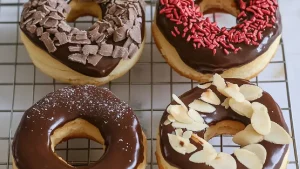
point(224, 106)
point(106, 51)
point(198, 48)
point(79, 112)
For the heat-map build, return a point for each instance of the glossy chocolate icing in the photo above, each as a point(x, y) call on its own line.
point(275, 152)
point(202, 59)
point(102, 69)
point(115, 120)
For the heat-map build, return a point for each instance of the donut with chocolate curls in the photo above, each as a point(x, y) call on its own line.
point(197, 47)
point(106, 51)
point(223, 106)
point(79, 112)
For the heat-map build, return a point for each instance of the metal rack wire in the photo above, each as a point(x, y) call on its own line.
point(129, 86)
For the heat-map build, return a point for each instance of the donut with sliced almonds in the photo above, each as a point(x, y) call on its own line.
point(223, 106)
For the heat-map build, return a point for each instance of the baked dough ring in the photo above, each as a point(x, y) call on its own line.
point(225, 117)
point(79, 112)
point(77, 65)
point(200, 63)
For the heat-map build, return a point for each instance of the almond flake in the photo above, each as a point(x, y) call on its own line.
point(179, 113)
point(210, 97)
point(259, 150)
point(206, 155)
point(187, 134)
point(202, 106)
point(177, 100)
point(193, 126)
point(178, 143)
point(179, 132)
point(247, 136)
point(242, 108)
point(231, 91)
point(248, 159)
point(260, 119)
point(251, 92)
point(191, 148)
point(195, 116)
point(204, 86)
point(171, 118)
point(223, 161)
point(219, 82)
point(226, 103)
point(278, 135)
point(167, 122)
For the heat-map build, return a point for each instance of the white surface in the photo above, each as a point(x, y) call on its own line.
point(152, 84)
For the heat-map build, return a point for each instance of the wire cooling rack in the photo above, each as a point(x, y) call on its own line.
point(147, 88)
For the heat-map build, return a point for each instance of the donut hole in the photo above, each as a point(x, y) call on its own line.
point(80, 9)
point(223, 12)
point(78, 155)
point(226, 128)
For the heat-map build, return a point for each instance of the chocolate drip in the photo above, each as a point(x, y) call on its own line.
point(115, 120)
point(275, 152)
point(202, 59)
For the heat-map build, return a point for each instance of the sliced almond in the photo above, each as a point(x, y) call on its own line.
point(234, 86)
point(171, 118)
point(223, 161)
point(251, 92)
point(260, 119)
point(231, 91)
point(179, 113)
point(167, 122)
point(259, 150)
point(204, 86)
point(187, 134)
point(247, 136)
point(219, 82)
point(202, 106)
point(278, 135)
point(178, 143)
point(206, 155)
point(210, 97)
point(179, 132)
point(177, 100)
point(248, 159)
point(242, 108)
point(193, 126)
point(195, 116)
point(226, 103)
point(191, 148)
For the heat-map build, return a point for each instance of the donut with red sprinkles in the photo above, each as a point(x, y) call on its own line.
point(203, 48)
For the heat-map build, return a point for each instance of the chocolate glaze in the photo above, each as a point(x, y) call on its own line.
point(275, 152)
point(102, 69)
point(115, 120)
point(202, 59)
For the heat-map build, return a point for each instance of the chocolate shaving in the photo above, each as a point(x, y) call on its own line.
point(29, 13)
point(64, 26)
point(55, 15)
point(42, 2)
point(48, 42)
point(31, 28)
point(112, 9)
point(75, 31)
point(94, 60)
point(52, 3)
point(94, 34)
point(103, 26)
point(120, 52)
point(106, 49)
point(44, 9)
point(39, 31)
point(119, 11)
point(128, 42)
point(90, 49)
point(82, 36)
point(135, 34)
point(50, 8)
point(52, 31)
point(118, 21)
point(132, 50)
point(121, 2)
point(38, 16)
point(61, 37)
point(74, 48)
point(120, 34)
point(138, 8)
point(110, 31)
point(77, 57)
point(50, 23)
point(101, 38)
point(132, 14)
point(27, 21)
point(83, 42)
